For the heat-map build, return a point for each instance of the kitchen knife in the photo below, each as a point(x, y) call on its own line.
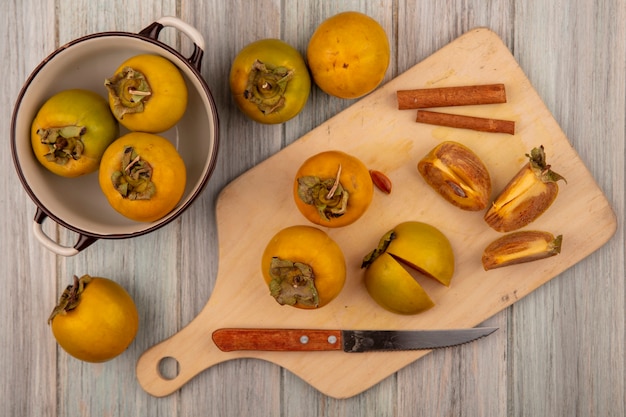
point(231, 339)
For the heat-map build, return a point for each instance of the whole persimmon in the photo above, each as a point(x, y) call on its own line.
point(303, 267)
point(71, 131)
point(142, 176)
point(96, 319)
point(269, 81)
point(333, 189)
point(147, 93)
point(348, 55)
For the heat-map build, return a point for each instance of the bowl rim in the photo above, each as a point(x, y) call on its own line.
point(86, 235)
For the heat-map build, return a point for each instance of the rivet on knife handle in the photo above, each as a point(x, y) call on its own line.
point(228, 340)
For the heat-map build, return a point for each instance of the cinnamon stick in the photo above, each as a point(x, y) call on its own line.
point(451, 96)
point(466, 122)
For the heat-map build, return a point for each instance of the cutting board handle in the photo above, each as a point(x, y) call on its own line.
point(192, 349)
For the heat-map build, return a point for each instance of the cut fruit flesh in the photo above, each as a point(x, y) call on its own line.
point(392, 287)
point(425, 248)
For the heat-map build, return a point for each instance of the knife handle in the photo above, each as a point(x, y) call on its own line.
point(297, 340)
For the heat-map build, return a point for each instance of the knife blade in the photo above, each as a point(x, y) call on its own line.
point(232, 339)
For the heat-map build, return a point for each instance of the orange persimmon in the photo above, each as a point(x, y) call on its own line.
point(333, 189)
point(142, 176)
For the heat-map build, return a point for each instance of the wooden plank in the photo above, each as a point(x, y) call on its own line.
point(227, 27)
point(559, 357)
point(474, 296)
point(27, 347)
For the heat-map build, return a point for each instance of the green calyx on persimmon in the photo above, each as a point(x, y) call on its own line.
point(71, 131)
point(303, 267)
point(147, 93)
point(293, 282)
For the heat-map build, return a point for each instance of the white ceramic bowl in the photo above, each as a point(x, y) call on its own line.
point(78, 203)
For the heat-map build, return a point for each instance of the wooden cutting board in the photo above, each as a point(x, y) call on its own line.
point(390, 140)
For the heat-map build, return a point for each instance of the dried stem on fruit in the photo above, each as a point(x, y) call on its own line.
point(266, 86)
point(64, 143)
point(292, 283)
point(327, 195)
point(134, 179)
point(380, 249)
point(130, 90)
point(70, 298)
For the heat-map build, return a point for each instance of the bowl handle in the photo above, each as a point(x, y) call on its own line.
point(45, 240)
point(153, 30)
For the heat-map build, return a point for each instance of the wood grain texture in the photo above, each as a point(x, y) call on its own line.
point(28, 354)
point(579, 327)
point(561, 348)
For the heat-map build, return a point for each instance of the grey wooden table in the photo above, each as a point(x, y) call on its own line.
point(559, 351)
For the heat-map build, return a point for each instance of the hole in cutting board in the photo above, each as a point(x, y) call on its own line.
point(168, 368)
